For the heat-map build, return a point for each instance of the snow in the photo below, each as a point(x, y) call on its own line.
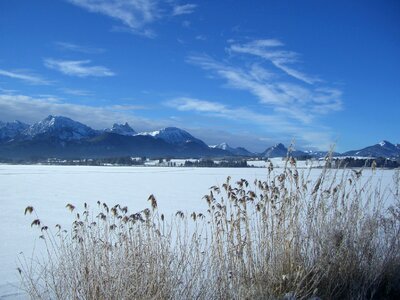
point(279, 162)
point(49, 188)
point(223, 146)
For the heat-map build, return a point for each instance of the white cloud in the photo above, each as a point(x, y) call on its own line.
point(267, 49)
point(188, 104)
point(222, 110)
point(297, 101)
point(184, 9)
point(25, 76)
point(267, 43)
point(79, 48)
point(80, 68)
point(136, 15)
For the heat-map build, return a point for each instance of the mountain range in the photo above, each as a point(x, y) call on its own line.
point(62, 137)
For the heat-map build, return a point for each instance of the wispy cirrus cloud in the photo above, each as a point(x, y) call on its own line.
point(277, 126)
point(7, 91)
point(270, 49)
point(25, 76)
point(191, 104)
point(79, 48)
point(184, 9)
point(136, 15)
point(79, 68)
point(224, 111)
point(296, 101)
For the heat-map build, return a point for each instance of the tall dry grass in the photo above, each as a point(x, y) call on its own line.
point(287, 236)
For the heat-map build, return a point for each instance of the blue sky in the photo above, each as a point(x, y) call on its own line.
point(250, 73)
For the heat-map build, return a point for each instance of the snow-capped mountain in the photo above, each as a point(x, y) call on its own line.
point(60, 127)
point(382, 149)
point(122, 129)
point(240, 151)
point(10, 130)
point(58, 136)
point(175, 136)
point(61, 137)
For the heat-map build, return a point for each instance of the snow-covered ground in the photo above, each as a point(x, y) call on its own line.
point(279, 162)
point(49, 188)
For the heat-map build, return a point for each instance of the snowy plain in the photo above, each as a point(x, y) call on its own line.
point(49, 188)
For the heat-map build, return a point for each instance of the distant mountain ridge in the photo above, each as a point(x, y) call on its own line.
point(382, 149)
point(62, 137)
point(240, 151)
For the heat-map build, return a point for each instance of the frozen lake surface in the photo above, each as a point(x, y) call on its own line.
point(49, 188)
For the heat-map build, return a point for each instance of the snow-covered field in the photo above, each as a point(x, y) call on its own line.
point(49, 188)
point(280, 162)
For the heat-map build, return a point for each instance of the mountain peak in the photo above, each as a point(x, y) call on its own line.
point(279, 146)
point(385, 143)
point(122, 129)
point(382, 149)
point(61, 127)
point(278, 150)
point(51, 118)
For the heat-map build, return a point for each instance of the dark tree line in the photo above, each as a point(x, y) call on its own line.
point(379, 162)
point(208, 163)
